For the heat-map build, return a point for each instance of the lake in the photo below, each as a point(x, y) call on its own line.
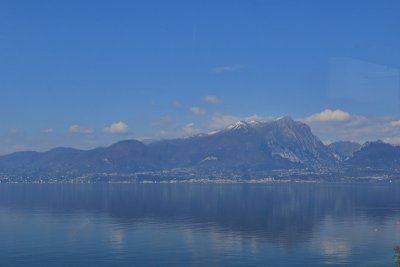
point(199, 225)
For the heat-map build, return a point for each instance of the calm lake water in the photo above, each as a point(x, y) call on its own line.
point(199, 225)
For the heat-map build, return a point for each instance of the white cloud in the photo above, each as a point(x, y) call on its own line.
point(395, 140)
point(395, 123)
point(189, 129)
point(76, 129)
point(220, 121)
point(329, 115)
point(168, 128)
point(198, 111)
point(47, 130)
point(211, 99)
point(227, 68)
point(341, 125)
point(117, 128)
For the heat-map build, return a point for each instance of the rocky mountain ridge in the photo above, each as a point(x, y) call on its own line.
point(244, 148)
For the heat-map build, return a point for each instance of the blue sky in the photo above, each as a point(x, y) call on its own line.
point(88, 73)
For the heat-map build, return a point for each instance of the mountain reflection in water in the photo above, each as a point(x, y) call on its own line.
point(314, 223)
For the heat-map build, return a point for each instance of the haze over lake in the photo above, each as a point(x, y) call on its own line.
point(199, 225)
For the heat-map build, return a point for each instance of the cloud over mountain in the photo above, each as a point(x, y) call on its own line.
point(117, 128)
point(329, 115)
point(76, 129)
point(341, 125)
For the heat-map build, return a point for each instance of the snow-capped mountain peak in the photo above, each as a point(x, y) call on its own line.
point(244, 124)
point(238, 125)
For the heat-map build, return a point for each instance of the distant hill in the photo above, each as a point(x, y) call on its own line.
point(376, 155)
point(283, 143)
point(344, 149)
point(242, 148)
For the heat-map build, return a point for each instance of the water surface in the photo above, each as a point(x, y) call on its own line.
point(199, 225)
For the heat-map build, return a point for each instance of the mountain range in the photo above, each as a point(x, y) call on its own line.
point(244, 149)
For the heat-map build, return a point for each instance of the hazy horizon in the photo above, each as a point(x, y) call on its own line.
point(199, 134)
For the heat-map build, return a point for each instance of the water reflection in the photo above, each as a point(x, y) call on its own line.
point(202, 225)
point(280, 214)
point(397, 255)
